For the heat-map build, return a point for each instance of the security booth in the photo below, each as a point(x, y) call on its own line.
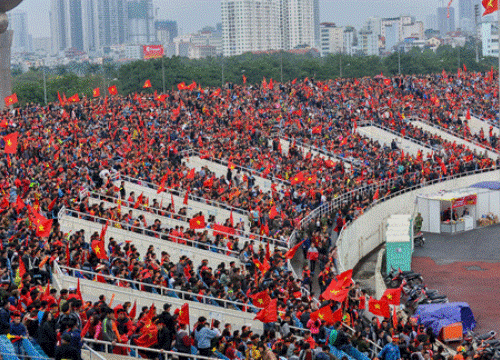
point(450, 212)
point(398, 242)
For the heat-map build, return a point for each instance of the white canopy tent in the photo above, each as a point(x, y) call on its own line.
point(457, 210)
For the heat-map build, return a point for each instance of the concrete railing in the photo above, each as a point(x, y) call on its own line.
point(73, 221)
point(92, 290)
point(358, 238)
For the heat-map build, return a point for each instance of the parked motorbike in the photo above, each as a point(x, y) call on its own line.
point(395, 278)
point(419, 240)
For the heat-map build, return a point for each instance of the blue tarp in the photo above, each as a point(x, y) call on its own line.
point(490, 185)
point(436, 316)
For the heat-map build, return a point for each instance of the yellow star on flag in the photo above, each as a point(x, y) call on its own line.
point(321, 316)
point(9, 143)
point(41, 228)
point(334, 292)
point(377, 306)
point(389, 296)
point(260, 301)
point(198, 222)
point(97, 250)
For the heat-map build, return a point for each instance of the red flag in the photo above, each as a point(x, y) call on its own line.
point(223, 230)
point(231, 165)
point(273, 212)
point(184, 314)
point(10, 100)
point(74, 98)
point(270, 313)
point(60, 99)
point(113, 90)
point(261, 299)
point(387, 82)
point(78, 290)
point(379, 307)
point(291, 253)
point(316, 129)
point(149, 335)
point(271, 84)
point(185, 202)
point(231, 220)
point(297, 178)
point(468, 114)
point(345, 278)
point(333, 292)
point(190, 176)
point(22, 268)
point(392, 296)
point(102, 237)
point(181, 86)
point(394, 318)
point(19, 204)
point(99, 249)
point(96, 92)
point(377, 194)
point(11, 143)
point(244, 79)
point(294, 81)
point(197, 222)
point(172, 202)
point(52, 204)
point(46, 293)
point(133, 311)
point(43, 226)
point(326, 313)
point(147, 84)
point(465, 68)
point(85, 329)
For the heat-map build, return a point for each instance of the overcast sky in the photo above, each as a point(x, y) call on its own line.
point(192, 15)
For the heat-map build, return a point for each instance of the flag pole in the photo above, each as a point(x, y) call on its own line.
point(498, 32)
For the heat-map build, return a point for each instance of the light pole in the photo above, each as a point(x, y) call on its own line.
point(163, 73)
point(281, 65)
point(399, 60)
point(44, 83)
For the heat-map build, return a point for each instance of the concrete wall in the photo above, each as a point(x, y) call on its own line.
point(366, 233)
point(92, 290)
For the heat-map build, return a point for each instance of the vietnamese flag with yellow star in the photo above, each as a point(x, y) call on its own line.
point(334, 293)
point(490, 6)
point(379, 307)
point(43, 226)
point(96, 92)
point(197, 222)
point(326, 313)
point(184, 314)
point(11, 143)
point(99, 249)
point(393, 296)
point(261, 299)
point(10, 100)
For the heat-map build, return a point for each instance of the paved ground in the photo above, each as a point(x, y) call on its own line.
point(465, 267)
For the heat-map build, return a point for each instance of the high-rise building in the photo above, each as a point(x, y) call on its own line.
point(467, 15)
point(368, 42)
point(350, 40)
point(373, 24)
point(391, 36)
point(141, 22)
point(445, 24)
point(489, 36)
point(112, 22)
point(261, 25)
point(431, 22)
point(58, 25)
point(299, 27)
point(166, 31)
point(332, 39)
point(18, 22)
point(250, 25)
point(90, 27)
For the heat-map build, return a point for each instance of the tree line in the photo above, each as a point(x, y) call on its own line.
point(214, 72)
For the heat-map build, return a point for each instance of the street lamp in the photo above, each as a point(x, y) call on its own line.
point(44, 83)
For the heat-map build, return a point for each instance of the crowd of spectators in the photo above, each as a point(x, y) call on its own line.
point(63, 150)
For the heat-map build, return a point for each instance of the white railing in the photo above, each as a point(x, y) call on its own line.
point(161, 290)
point(458, 135)
point(147, 210)
point(142, 231)
point(179, 193)
point(172, 354)
point(406, 137)
point(193, 152)
point(486, 121)
point(319, 150)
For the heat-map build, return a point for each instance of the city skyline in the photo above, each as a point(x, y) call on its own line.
point(208, 12)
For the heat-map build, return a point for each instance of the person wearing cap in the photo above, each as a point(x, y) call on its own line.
point(65, 350)
point(168, 320)
point(203, 336)
point(17, 329)
point(390, 351)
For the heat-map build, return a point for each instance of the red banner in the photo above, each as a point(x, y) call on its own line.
point(152, 51)
point(468, 200)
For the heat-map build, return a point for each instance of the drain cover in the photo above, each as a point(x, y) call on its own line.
point(474, 268)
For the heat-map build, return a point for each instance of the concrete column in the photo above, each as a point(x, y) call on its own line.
point(5, 73)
